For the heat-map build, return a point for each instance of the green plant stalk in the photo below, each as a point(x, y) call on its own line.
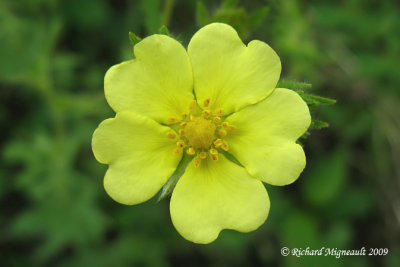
point(166, 14)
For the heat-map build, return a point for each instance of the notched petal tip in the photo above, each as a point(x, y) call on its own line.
point(134, 146)
point(303, 112)
point(98, 141)
point(157, 84)
point(216, 196)
point(265, 142)
point(232, 74)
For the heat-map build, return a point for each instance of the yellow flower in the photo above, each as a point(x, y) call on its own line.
point(217, 97)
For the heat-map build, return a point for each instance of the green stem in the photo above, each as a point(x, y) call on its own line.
point(166, 14)
point(50, 98)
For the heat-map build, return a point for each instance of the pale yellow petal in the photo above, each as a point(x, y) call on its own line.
point(215, 196)
point(139, 154)
point(157, 84)
point(265, 138)
point(228, 72)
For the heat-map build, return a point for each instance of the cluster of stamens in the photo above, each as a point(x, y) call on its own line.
point(201, 132)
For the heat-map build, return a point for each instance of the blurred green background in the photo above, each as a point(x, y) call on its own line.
point(54, 211)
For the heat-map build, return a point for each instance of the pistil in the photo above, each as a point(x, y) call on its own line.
point(201, 132)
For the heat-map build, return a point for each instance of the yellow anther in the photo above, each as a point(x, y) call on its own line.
point(181, 132)
point(231, 128)
point(219, 112)
point(225, 124)
point(206, 113)
point(197, 162)
point(192, 105)
point(171, 135)
point(214, 157)
point(180, 144)
point(184, 116)
point(218, 142)
point(178, 151)
point(206, 102)
point(213, 151)
point(172, 120)
point(183, 124)
point(225, 146)
point(203, 155)
point(217, 120)
point(190, 151)
point(222, 132)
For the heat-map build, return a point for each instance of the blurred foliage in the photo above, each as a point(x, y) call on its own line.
point(53, 56)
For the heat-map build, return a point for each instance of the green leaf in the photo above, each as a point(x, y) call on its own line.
point(317, 124)
point(314, 100)
point(164, 30)
point(134, 38)
point(231, 157)
point(170, 185)
point(304, 136)
point(294, 85)
point(311, 100)
point(202, 15)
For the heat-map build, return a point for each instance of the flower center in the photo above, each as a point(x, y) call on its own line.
point(201, 133)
